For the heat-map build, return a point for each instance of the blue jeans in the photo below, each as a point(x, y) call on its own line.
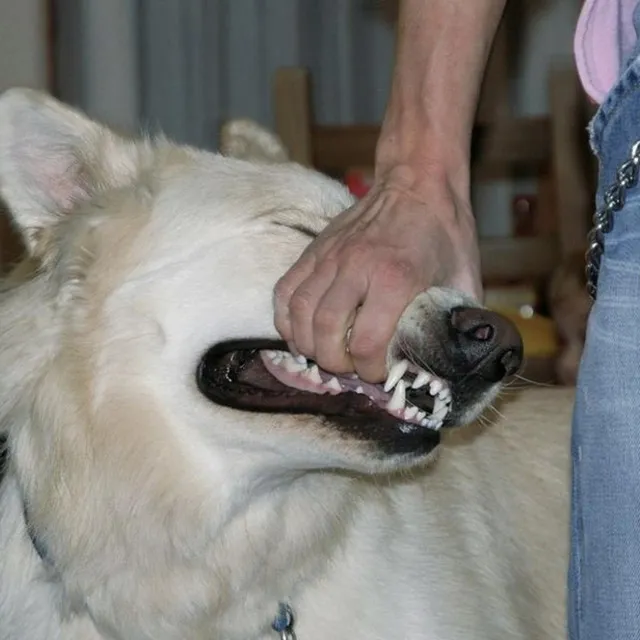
point(604, 572)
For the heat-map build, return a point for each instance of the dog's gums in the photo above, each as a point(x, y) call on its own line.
point(263, 376)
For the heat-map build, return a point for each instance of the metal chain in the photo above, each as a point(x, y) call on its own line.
point(614, 199)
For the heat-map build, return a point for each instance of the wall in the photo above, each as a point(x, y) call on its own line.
point(205, 60)
point(23, 47)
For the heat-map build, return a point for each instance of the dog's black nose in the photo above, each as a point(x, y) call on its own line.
point(486, 343)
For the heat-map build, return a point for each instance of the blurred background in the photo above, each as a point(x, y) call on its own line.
point(317, 73)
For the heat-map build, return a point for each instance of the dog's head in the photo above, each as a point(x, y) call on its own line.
point(155, 419)
point(150, 320)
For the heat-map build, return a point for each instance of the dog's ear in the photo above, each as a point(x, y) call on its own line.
point(247, 140)
point(51, 158)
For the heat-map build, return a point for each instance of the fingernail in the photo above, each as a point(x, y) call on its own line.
point(292, 349)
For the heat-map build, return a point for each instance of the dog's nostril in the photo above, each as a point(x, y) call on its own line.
point(481, 333)
point(511, 361)
point(474, 324)
point(485, 342)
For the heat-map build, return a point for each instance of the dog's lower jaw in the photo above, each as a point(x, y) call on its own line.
point(201, 593)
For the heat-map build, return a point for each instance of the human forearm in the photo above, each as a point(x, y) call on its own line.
point(442, 51)
point(340, 304)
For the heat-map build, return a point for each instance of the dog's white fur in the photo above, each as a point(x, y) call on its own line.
point(163, 516)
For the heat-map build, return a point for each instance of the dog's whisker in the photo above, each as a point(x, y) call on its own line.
point(497, 411)
point(410, 351)
point(534, 383)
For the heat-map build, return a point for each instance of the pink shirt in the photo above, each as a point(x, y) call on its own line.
point(605, 36)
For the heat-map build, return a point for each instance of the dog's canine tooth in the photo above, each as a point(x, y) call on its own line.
point(435, 387)
point(421, 379)
point(410, 412)
point(398, 398)
point(395, 375)
point(440, 407)
point(439, 417)
point(333, 384)
point(313, 373)
point(445, 394)
point(359, 390)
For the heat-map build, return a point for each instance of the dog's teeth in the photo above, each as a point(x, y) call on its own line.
point(313, 373)
point(433, 424)
point(293, 366)
point(395, 375)
point(410, 412)
point(270, 354)
point(300, 359)
point(421, 415)
point(397, 399)
point(277, 359)
point(424, 422)
point(333, 384)
point(359, 390)
point(440, 408)
point(445, 394)
point(440, 413)
point(421, 379)
point(435, 386)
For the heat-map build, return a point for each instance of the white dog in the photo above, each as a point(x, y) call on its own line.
point(173, 473)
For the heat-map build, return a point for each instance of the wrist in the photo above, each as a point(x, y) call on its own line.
point(431, 187)
point(411, 149)
point(419, 169)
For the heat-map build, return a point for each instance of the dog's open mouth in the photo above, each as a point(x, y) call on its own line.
point(264, 376)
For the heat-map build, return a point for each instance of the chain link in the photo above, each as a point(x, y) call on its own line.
point(614, 199)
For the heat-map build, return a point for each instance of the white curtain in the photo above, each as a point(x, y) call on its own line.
point(184, 66)
point(187, 65)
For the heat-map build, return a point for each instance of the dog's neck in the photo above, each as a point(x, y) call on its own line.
point(291, 535)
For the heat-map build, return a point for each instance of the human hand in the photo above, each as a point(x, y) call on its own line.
point(341, 301)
